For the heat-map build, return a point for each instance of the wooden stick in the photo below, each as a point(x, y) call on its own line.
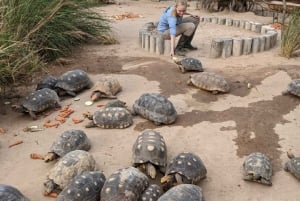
point(15, 143)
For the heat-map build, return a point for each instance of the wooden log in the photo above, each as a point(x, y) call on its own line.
point(247, 46)
point(264, 29)
point(255, 44)
point(147, 41)
point(167, 48)
point(207, 19)
point(214, 20)
point(141, 38)
point(262, 41)
point(237, 47)
point(228, 22)
point(227, 47)
point(256, 27)
point(153, 42)
point(160, 45)
point(216, 48)
point(248, 25)
point(273, 39)
point(242, 24)
point(236, 23)
point(222, 21)
point(267, 42)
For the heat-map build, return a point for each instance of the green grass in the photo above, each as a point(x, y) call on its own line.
point(33, 33)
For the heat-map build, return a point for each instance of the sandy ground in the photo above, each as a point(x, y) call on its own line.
point(221, 129)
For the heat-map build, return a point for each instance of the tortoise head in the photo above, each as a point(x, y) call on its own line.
point(49, 186)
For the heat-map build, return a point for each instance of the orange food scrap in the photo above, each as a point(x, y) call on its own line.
point(60, 119)
point(2, 130)
point(15, 143)
point(66, 113)
point(77, 120)
point(49, 124)
point(36, 156)
point(276, 26)
point(52, 195)
point(100, 105)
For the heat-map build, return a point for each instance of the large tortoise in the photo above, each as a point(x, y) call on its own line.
point(209, 81)
point(293, 88)
point(110, 117)
point(293, 165)
point(69, 140)
point(155, 107)
point(152, 193)
point(10, 193)
point(115, 103)
point(188, 64)
point(124, 184)
point(72, 82)
point(150, 153)
point(186, 167)
point(69, 166)
point(105, 87)
point(49, 82)
point(183, 192)
point(257, 167)
point(38, 101)
point(86, 186)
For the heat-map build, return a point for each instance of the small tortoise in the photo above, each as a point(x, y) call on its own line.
point(183, 192)
point(152, 193)
point(111, 117)
point(185, 168)
point(105, 87)
point(116, 103)
point(188, 64)
point(38, 101)
point(150, 152)
point(10, 193)
point(125, 184)
point(293, 88)
point(156, 108)
point(257, 168)
point(72, 82)
point(86, 186)
point(69, 166)
point(209, 81)
point(293, 165)
point(49, 82)
point(69, 140)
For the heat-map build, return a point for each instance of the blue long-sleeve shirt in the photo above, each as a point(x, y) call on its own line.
point(168, 21)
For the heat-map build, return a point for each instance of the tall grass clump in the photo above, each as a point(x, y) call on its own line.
point(291, 36)
point(35, 32)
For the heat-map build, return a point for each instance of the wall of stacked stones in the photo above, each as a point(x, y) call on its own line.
point(221, 47)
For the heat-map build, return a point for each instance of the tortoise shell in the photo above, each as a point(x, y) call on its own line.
point(115, 103)
point(10, 193)
point(294, 87)
point(150, 147)
point(293, 166)
point(209, 81)
point(188, 165)
point(40, 100)
point(156, 108)
point(69, 166)
point(70, 140)
point(73, 81)
point(49, 82)
point(257, 167)
point(86, 186)
point(112, 117)
point(189, 64)
point(124, 184)
point(183, 192)
point(152, 193)
point(107, 85)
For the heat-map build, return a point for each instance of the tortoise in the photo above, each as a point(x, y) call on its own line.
point(188, 64)
point(125, 184)
point(152, 193)
point(150, 153)
point(155, 107)
point(69, 140)
point(49, 82)
point(73, 81)
point(86, 186)
point(69, 166)
point(38, 101)
point(293, 165)
point(105, 87)
point(186, 167)
point(257, 168)
point(209, 81)
point(10, 193)
point(183, 192)
point(293, 88)
point(115, 103)
point(111, 117)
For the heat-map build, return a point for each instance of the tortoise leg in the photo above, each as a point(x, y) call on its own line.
point(266, 182)
point(248, 177)
point(157, 123)
point(181, 68)
point(49, 186)
point(178, 178)
point(91, 124)
point(50, 157)
point(71, 93)
point(33, 115)
point(96, 95)
point(286, 167)
point(151, 170)
point(215, 92)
